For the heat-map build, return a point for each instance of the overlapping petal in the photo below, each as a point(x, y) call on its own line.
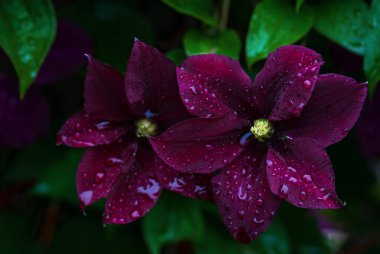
point(212, 85)
point(83, 130)
point(331, 112)
point(104, 96)
point(22, 121)
point(243, 196)
point(151, 83)
point(300, 171)
point(100, 167)
point(189, 185)
point(201, 145)
point(135, 192)
point(286, 83)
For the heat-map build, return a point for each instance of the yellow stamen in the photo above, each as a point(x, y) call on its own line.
point(262, 129)
point(145, 128)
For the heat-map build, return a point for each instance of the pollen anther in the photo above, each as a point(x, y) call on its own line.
point(145, 128)
point(262, 129)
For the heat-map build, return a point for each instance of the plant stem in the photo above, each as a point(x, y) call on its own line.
point(224, 14)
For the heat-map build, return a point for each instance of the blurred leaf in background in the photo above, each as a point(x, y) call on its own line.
point(27, 32)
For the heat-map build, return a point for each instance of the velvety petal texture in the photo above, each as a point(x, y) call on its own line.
point(135, 191)
point(300, 171)
point(104, 96)
point(331, 112)
point(243, 196)
point(189, 185)
point(66, 55)
point(212, 85)
point(83, 130)
point(201, 145)
point(21, 121)
point(151, 83)
point(285, 84)
point(368, 127)
point(100, 167)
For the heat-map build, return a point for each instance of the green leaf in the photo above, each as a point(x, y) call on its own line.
point(177, 55)
point(27, 32)
point(58, 182)
point(225, 42)
point(372, 49)
point(299, 4)
point(173, 219)
point(274, 24)
point(202, 10)
point(344, 22)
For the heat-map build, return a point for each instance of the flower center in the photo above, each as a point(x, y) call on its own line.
point(262, 129)
point(145, 128)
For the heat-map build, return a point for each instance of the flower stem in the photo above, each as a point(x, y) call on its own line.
point(224, 14)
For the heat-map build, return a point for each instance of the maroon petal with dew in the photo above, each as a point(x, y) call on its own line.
point(331, 112)
point(135, 191)
point(100, 167)
point(243, 196)
point(201, 145)
point(82, 130)
point(212, 85)
point(284, 86)
point(104, 96)
point(300, 171)
point(195, 186)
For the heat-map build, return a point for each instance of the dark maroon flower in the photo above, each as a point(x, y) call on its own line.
point(22, 121)
point(369, 125)
point(267, 138)
point(119, 114)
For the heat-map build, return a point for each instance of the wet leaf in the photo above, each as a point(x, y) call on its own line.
point(177, 55)
point(299, 4)
point(372, 49)
point(202, 10)
point(274, 24)
point(225, 42)
point(344, 22)
point(173, 219)
point(27, 32)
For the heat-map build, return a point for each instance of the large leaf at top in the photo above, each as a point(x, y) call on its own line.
point(274, 24)
point(344, 22)
point(27, 32)
point(173, 219)
point(225, 42)
point(202, 10)
point(372, 49)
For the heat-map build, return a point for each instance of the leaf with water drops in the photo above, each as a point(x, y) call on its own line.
point(274, 24)
point(173, 219)
point(202, 10)
point(344, 22)
point(372, 49)
point(226, 42)
point(27, 32)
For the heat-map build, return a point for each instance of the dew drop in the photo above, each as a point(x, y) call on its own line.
point(283, 193)
point(103, 125)
point(259, 202)
point(307, 178)
point(307, 84)
point(113, 161)
point(99, 177)
point(302, 195)
point(209, 147)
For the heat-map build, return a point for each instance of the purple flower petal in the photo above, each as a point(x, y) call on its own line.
point(200, 145)
point(300, 171)
point(331, 112)
point(243, 196)
point(369, 125)
point(100, 167)
point(104, 92)
point(151, 83)
point(285, 84)
point(135, 192)
point(21, 122)
point(66, 55)
point(83, 130)
point(212, 85)
point(189, 185)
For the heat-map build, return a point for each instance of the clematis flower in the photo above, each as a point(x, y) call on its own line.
point(368, 126)
point(23, 121)
point(118, 116)
point(265, 140)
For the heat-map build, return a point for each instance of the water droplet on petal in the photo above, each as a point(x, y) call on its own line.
point(103, 125)
point(86, 197)
point(113, 161)
point(283, 193)
point(307, 84)
point(302, 195)
point(307, 178)
point(99, 177)
point(259, 202)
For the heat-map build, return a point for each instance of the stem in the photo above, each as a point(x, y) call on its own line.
point(224, 14)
